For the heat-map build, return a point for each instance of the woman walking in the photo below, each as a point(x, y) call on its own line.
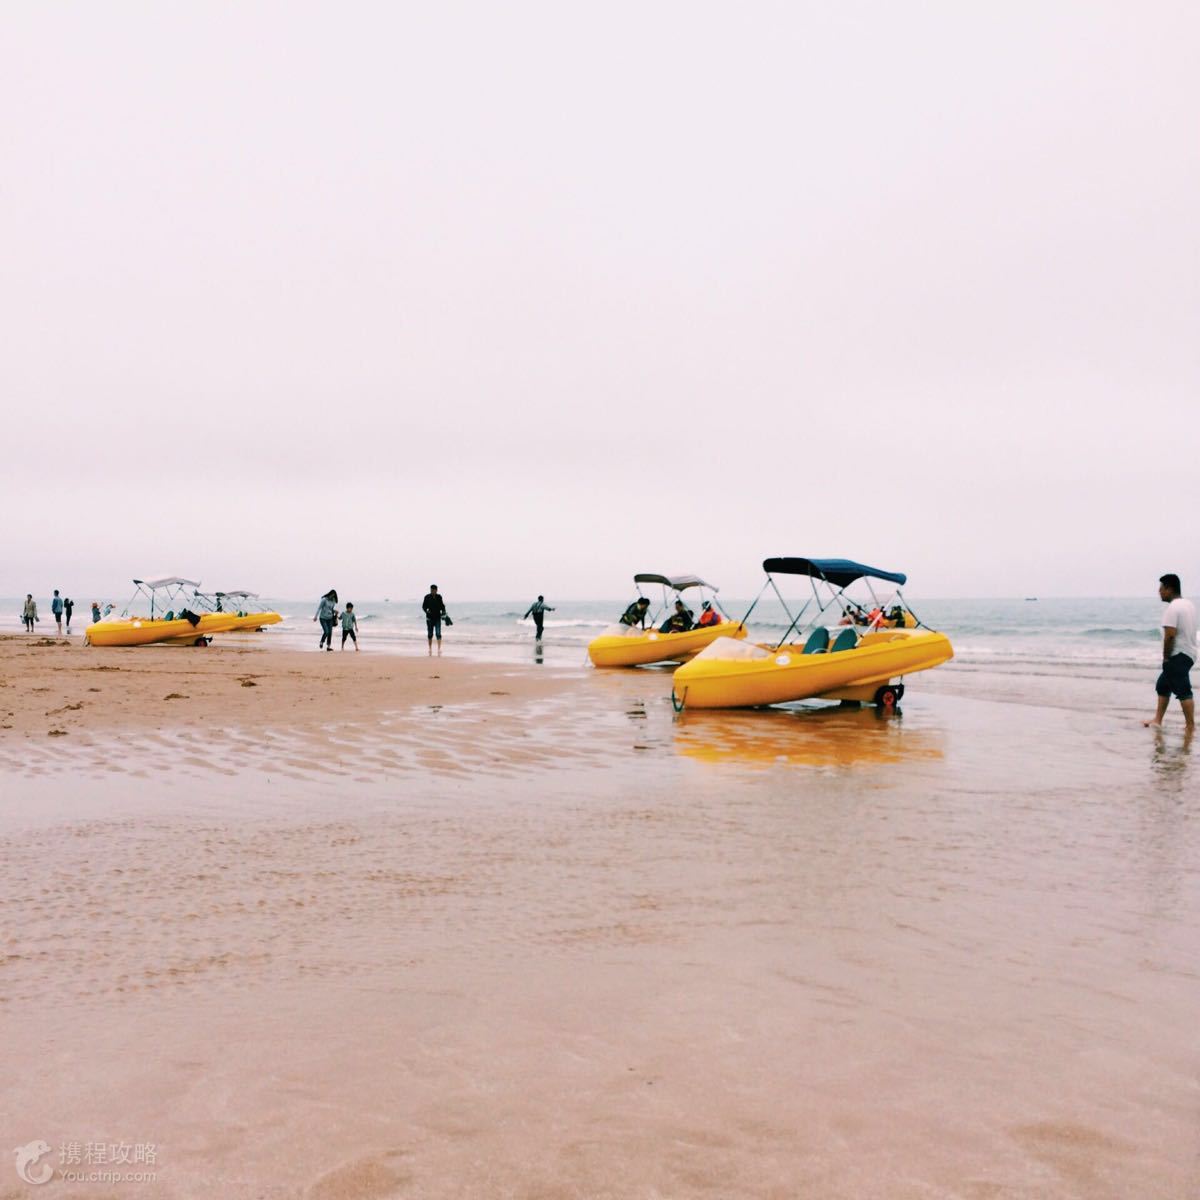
point(326, 612)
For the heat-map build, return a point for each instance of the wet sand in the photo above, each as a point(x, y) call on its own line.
point(560, 943)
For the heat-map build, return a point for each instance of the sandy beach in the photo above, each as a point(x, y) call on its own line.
point(380, 926)
point(57, 687)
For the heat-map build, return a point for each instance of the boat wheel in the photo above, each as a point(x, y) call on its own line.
point(889, 696)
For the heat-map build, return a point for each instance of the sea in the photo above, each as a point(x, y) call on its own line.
point(1104, 640)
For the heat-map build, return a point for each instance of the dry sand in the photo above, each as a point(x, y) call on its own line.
point(359, 932)
point(57, 686)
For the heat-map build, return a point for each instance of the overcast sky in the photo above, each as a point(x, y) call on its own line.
point(528, 297)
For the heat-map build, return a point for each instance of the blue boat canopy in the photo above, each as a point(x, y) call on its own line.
point(841, 572)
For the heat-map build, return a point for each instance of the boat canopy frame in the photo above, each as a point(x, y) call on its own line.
point(837, 574)
point(215, 601)
point(678, 584)
point(172, 585)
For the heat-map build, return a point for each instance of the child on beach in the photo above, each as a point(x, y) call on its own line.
point(29, 612)
point(95, 611)
point(349, 626)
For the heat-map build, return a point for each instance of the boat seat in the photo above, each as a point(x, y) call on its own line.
point(846, 640)
point(168, 616)
point(818, 641)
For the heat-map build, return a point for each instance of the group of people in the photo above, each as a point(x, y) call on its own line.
point(679, 620)
point(433, 606)
point(61, 608)
point(876, 618)
point(327, 613)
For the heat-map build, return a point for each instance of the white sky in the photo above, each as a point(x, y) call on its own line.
point(526, 298)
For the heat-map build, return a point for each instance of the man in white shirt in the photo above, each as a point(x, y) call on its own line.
point(1179, 653)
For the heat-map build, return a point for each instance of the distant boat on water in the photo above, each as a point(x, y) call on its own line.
point(1029, 598)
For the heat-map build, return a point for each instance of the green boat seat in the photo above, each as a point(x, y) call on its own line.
point(818, 641)
point(846, 640)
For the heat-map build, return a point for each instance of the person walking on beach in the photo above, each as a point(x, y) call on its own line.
point(538, 610)
point(56, 607)
point(1179, 653)
point(29, 612)
point(434, 608)
point(326, 612)
point(68, 609)
point(349, 626)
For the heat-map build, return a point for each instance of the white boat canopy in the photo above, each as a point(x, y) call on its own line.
point(240, 594)
point(677, 583)
point(167, 581)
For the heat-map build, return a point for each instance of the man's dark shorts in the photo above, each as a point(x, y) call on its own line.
point(1175, 679)
point(433, 629)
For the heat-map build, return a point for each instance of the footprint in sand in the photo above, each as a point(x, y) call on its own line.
point(365, 1180)
point(1078, 1153)
point(175, 696)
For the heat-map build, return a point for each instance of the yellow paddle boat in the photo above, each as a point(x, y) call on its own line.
point(165, 623)
point(630, 644)
point(865, 658)
point(239, 604)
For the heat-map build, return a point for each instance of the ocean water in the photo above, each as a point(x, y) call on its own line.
point(1066, 634)
point(1111, 636)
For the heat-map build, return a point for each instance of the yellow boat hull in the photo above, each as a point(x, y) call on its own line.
point(654, 647)
point(210, 623)
point(786, 674)
point(252, 622)
point(142, 631)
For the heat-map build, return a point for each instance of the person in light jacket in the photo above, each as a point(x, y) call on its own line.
point(326, 614)
point(29, 612)
point(538, 610)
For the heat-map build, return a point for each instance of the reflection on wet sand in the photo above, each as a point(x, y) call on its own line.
point(499, 938)
point(828, 736)
point(1171, 755)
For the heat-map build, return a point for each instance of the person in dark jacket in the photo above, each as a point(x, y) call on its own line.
point(434, 608)
point(538, 610)
point(635, 614)
point(680, 621)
